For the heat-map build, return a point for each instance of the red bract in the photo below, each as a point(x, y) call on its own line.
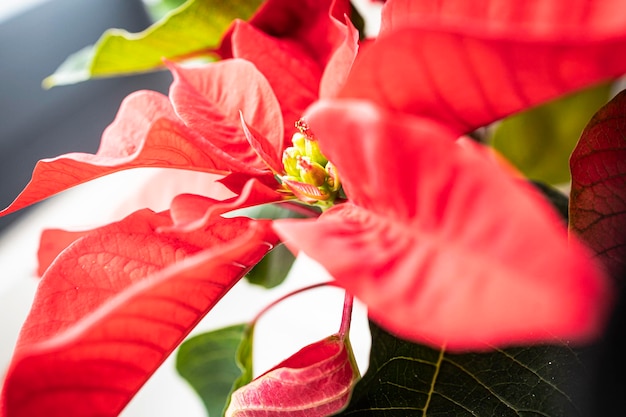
point(115, 301)
point(199, 127)
point(114, 305)
point(314, 382)
point(443, 247)
point(469, 65)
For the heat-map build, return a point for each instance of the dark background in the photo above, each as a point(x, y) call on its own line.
point(37, 123)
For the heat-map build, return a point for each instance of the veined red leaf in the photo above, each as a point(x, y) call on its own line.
point(209, 99)
point(468, 79)
point(442, 247)
point(340, 63)
point(290, 70)
point(145, 133)
point(598, 197)
point(300, 43)
point(114, 305)
point(314, 382)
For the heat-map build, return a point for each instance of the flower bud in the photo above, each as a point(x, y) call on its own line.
point(290, 162)
point(311, 172)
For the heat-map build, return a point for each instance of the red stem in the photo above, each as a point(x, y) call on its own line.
point(346, 317)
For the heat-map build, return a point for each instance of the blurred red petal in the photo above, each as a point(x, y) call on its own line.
point(469, 79)
point(443, 247)
point(190, 210)
point(557, 18)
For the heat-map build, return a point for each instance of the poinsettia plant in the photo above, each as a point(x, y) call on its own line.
point(384, 152)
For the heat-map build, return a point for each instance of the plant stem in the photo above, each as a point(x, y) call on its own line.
point(284, 297)
point(346, 317)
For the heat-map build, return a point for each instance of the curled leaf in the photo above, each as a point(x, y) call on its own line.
point(316, 381)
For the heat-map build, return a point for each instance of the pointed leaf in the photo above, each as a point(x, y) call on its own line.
point(273, 268)
point(539, 142)
point(195, 28)
point(210, 363)
point(145, 133)
point(115, 304)
point(316, 381)
point(468, 78)
point(410, 379)
point(430, 245)
point(210, 98)
point(598, 197)
point(306, 37)
point(190, 211)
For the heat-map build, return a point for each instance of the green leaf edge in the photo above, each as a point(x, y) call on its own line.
point(242, 358)
point(192, 41)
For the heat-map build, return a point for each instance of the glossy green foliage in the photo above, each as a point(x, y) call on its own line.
point(191, 31)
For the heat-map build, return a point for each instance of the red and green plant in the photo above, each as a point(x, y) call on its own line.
point(479, 296)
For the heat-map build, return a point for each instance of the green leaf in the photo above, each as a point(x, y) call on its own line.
point(409, 379)
point(539, 141)
point(157, 9)
point(193, 30)
point(217, 363)
point(273, 268)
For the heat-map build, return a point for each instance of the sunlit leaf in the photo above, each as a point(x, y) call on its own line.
point(406, 379)
point(539, 141)
point(598, 197)
point(194, 29)
point(216, 363)
point(116, 303)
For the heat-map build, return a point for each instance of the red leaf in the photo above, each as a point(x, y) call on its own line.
point(531, 17)
point(290, 70)
point(263, 147)
point(292, 46)
point(114, 305)
point(443, 247)
point(209, 100)
point(316, 381)
point(145, 133)
point(598, 198)
point(190, 210)
point(468, 78)
point(51, 243)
